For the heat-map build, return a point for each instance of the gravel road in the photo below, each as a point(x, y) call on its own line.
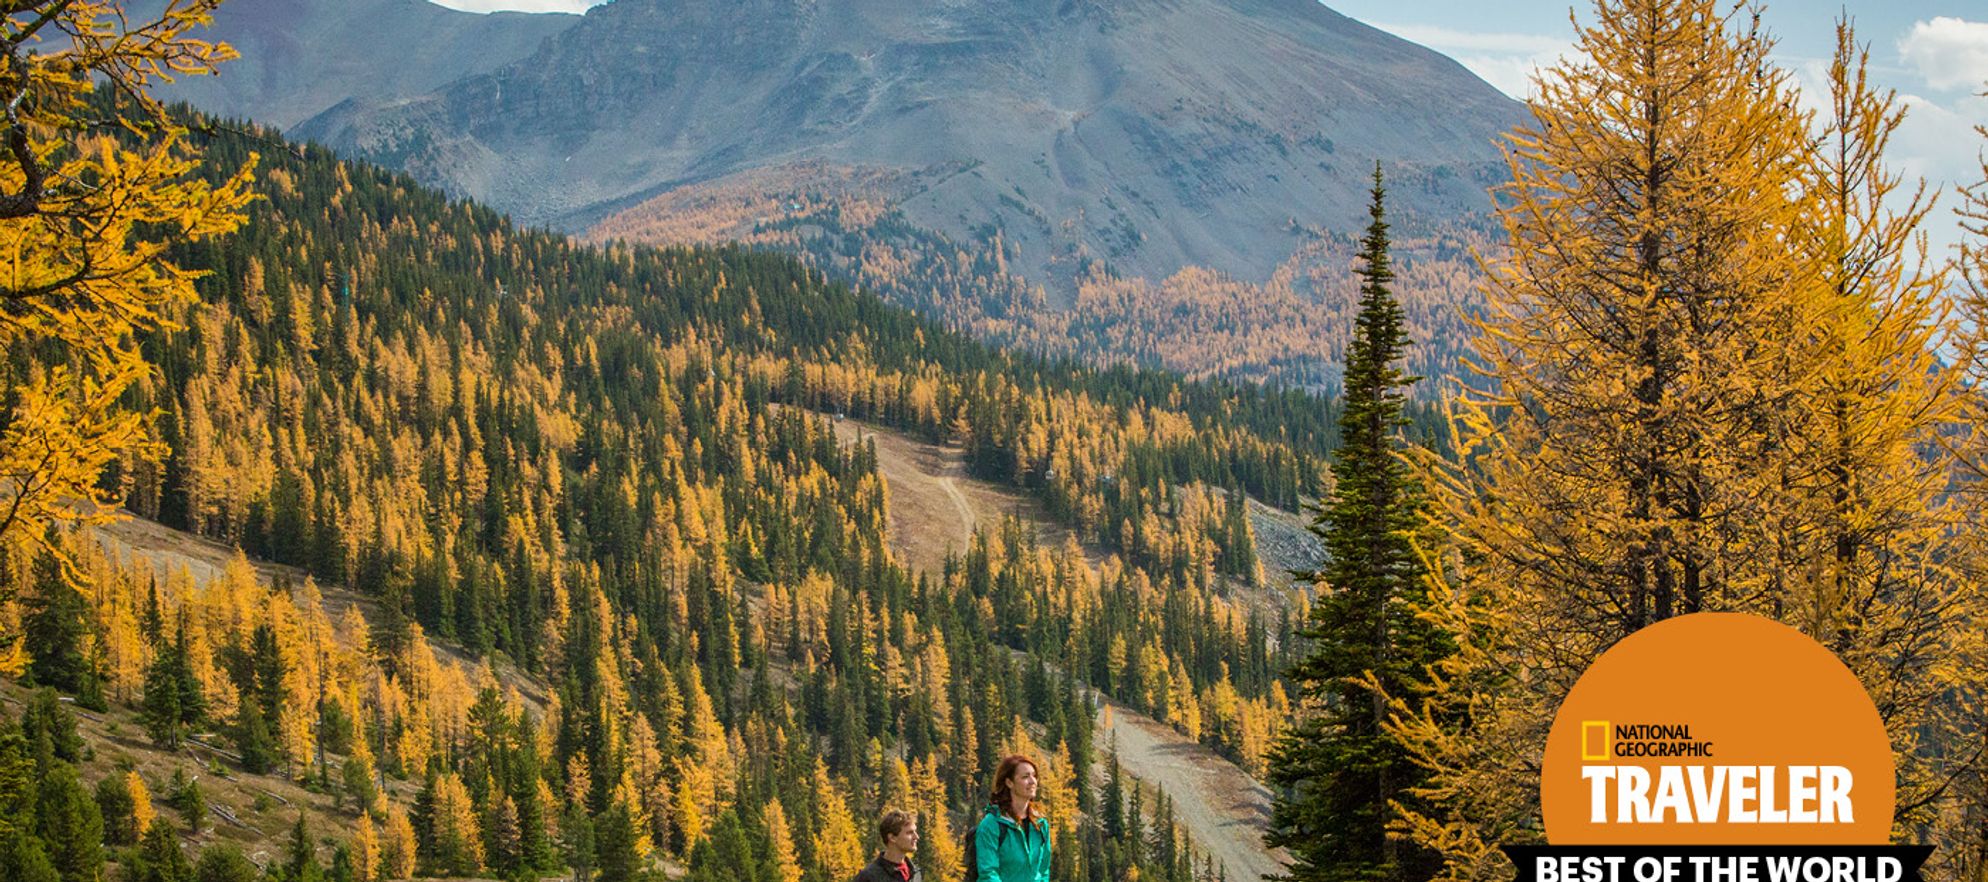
point(1224, 810)
point(934, 507)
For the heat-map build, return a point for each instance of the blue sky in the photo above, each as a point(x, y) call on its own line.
point(1933, 52)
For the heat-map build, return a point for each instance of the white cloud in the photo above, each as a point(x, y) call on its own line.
point(519, 5)
point(1937, 142)
point(1949, 53)
point(1507, 61)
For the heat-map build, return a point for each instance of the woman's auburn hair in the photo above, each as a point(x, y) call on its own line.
point(1010, 765)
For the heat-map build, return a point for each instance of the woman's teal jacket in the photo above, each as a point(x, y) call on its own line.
point(1007, 852)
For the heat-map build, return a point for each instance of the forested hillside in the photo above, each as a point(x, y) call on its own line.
point(1287, 328)
point(564, 565)
point(612, 470)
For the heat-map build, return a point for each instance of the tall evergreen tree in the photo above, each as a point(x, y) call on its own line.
point(254, 740)
point(17, 777)
point(55, 627)
point(257, 671)
point(116, 807)
point(1114, 795)
point(301, 861)
point(23, 858)
point(1338, 769)
point(615, 850)
point(173, 698)
point(268, 666)
point(577, 831)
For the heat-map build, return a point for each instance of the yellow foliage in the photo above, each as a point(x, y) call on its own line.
point(396, 845)
point(142, 812)
point(693, 790)
point(839, 850)
point(1967, 800)
point(780, 836)
point(84, 225)
point(457, 840)
point(1711, 386)
point(939, 847)
point(366, 850)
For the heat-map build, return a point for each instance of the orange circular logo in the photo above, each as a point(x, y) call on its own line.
point(1717, 729)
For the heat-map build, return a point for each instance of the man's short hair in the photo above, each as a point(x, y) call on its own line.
point(894, 823)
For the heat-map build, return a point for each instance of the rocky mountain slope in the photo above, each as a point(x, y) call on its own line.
point(1149, 135)
point(1171, 183)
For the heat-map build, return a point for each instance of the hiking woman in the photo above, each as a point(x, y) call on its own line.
point(1012, 842)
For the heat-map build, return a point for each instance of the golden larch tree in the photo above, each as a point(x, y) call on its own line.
point(456, 844)
point(142, 812)
point(1869, 565)
point(1640, 353)
point(1965, 813)
point(397, 845)
point(838, 848)
point(780, 842)
point(85, 221)
point(365, 850)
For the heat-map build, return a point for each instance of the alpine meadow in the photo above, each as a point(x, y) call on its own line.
point(354, 531)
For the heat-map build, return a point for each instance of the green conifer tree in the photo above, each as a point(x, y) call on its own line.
point(224, 862)
point(578, 834)
point(257, 671)
point(23, 859)
point(115, 805)
point(184, 794)
point(1337, 769)
point(50, 730)
point(67, 821)
point(159, 858)
point(55, 627)
point(1114, 794)
point(254, 741)
point(301, 859)
point(173, 699)
point(615, 847)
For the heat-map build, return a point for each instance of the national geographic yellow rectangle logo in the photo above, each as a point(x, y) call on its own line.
point(1594, 740)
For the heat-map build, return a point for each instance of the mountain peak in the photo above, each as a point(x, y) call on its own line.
point(1153, 134)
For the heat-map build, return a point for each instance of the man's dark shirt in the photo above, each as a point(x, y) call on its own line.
point(881, 870)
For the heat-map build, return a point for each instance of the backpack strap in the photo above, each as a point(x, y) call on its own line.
point(1000, 829)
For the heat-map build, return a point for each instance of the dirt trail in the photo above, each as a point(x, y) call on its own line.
point(1224, 810)
point(934, 506)
point(959, 503)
